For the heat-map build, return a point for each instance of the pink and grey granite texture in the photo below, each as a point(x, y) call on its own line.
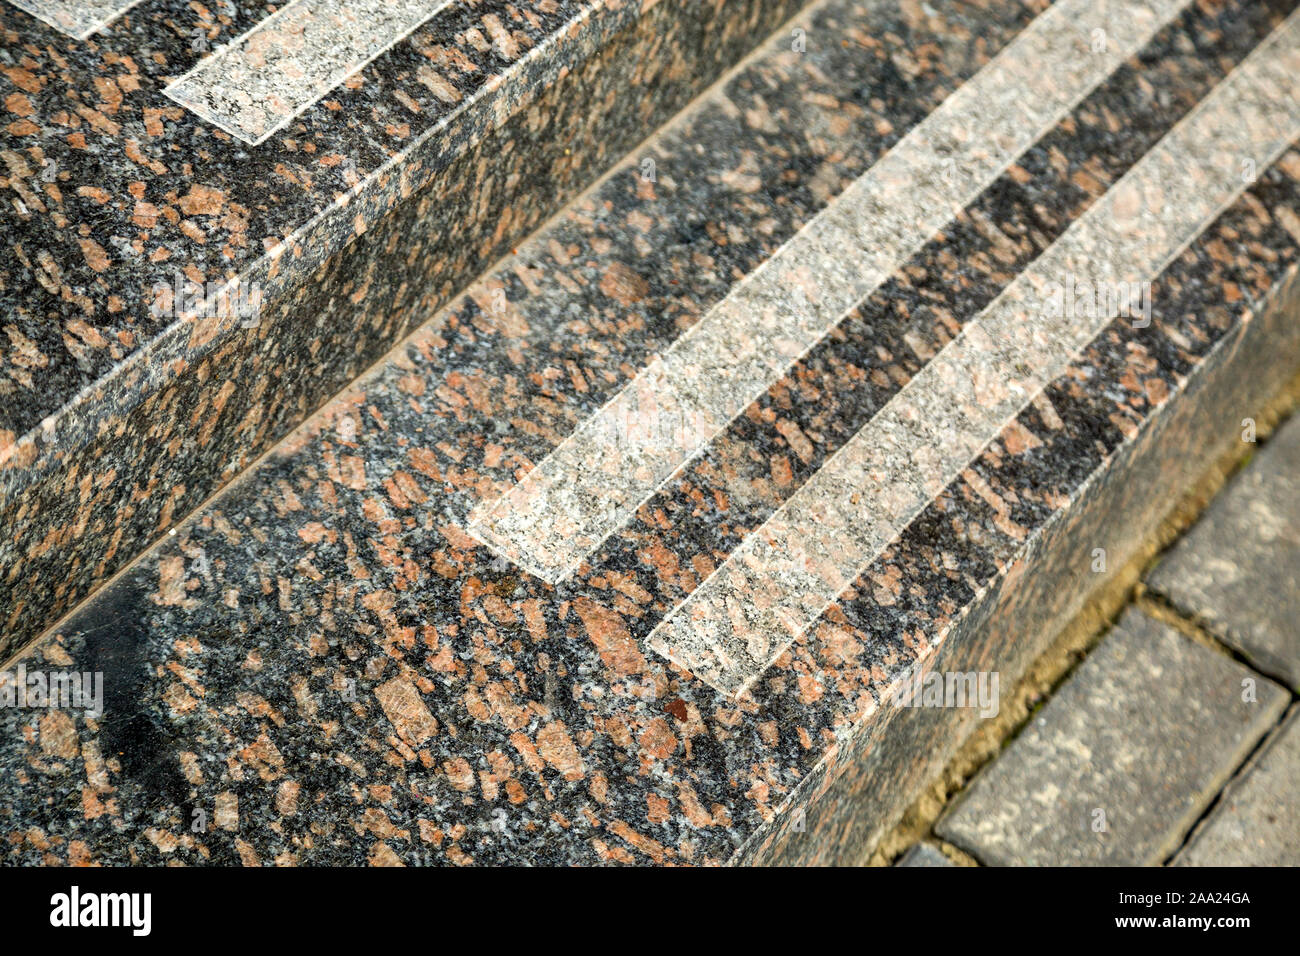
point(323, 667)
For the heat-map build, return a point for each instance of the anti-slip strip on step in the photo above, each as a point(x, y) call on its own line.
point(327, 667)
point(257, 84)
point(76, 18)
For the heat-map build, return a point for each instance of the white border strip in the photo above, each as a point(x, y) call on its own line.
point(76, 18)
point(260, 82)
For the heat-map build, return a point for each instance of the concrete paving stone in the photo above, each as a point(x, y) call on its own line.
point(1122, 760)
point(924, 854)
point(1238, 570)
point(1256, 823)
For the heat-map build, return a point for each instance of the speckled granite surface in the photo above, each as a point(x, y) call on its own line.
point(322, 666)
point(120, 409)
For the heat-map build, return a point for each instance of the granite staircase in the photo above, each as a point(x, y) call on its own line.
point(875, 361)
point(216, 219)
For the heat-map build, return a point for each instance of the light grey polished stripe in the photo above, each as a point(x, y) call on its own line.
point(592, 484)
point(787, 572)
point(263, 79)
point(76, 18)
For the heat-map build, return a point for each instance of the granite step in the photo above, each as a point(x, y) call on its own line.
point(642, 548)
point(216, 217)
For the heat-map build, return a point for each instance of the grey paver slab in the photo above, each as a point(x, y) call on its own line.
point(1257, 822)
point(1238, 570)
point(924, 854)
point(1122, 760)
